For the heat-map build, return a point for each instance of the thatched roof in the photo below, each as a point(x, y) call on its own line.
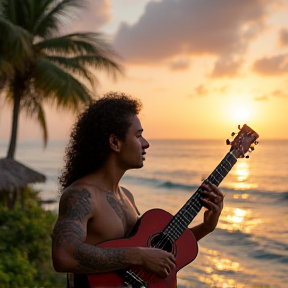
point(14, 175)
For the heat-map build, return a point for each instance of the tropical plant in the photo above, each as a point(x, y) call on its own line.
point(38, 65)
point(25, 245)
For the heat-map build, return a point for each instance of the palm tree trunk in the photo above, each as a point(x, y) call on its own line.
point(17, 93)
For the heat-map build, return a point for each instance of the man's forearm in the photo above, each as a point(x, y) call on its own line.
point(92, 259)
point(200, 231)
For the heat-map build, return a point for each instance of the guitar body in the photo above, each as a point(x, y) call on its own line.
point(149, 226)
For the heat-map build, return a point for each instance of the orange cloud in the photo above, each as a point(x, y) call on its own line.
point(271, 66)
point(201, 90)
point(226, 67)
point(180, 64)
point(283, 37)
point(170, 28)
point(279, 93)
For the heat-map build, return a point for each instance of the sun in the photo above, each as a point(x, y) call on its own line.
point(242, 114)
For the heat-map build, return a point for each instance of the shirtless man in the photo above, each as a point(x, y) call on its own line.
point(105, 142)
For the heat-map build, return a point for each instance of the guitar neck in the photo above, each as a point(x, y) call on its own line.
point(188, 212)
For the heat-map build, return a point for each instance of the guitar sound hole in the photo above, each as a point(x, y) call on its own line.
point(161, 241)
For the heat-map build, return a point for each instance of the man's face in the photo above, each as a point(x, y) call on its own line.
point(132, 150)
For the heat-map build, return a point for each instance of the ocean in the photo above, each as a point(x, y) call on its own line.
point(249, 247)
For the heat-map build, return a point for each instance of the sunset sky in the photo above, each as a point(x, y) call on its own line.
point(200, 67)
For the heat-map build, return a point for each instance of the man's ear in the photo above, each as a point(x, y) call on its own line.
point(114, 142)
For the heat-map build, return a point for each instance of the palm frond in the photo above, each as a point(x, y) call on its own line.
point(48, 24)
point(77, 43)
point(90, 47)
point(60, 86)
point(73, 65)
point(15, 44)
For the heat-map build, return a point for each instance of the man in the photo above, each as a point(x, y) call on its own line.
point(106, 141)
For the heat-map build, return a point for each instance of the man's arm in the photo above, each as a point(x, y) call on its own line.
point(70, 253)
point(213, 201)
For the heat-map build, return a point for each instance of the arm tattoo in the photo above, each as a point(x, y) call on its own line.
point(77, 205)
point(74, 207)
point(91, 258)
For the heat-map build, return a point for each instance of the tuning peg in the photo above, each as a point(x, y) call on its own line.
point(256, 142)
point(251, 148)
point(239, 127)
point(228, 142)
point(247, 156)
point(233, 133)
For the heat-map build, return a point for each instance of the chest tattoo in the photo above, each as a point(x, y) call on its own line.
point(121, 208)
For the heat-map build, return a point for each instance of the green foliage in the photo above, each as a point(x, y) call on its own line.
point(25, 245)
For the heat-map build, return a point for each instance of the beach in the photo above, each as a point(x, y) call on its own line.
point(249, 247)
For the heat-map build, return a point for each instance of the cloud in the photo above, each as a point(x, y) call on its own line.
point(201, 90)
point(275, 93)
point(180, 64)
point(226, 67)
point(170, 28)
point(91, 18)
point(273, 66)
point(222, 89)
point(279, 93)
point(283, 37)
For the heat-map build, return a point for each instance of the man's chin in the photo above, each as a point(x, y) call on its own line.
point(138, 166)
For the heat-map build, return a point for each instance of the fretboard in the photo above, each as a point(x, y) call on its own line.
point(188, 212)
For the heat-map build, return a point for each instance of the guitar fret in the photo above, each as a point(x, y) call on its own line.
point(224, 168)
point(219, 173)
point(233, 156)
point(214, 178)
point(189, 213)
point(186, 217)
point(196, 212)
point(228, 162)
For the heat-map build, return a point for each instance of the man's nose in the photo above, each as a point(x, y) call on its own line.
point(145, 144)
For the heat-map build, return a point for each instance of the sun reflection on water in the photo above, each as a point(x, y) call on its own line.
point(213, 275)
point(242, 173)
point(236, 219)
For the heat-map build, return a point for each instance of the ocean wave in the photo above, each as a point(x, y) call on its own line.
point(173, 185)
point(283, 196)
point(170, 185)
point(253, 246)
point(161, 183)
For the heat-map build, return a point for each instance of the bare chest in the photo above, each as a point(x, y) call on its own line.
point(115, 218)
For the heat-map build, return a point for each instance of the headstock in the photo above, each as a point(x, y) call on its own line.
point(244, 141)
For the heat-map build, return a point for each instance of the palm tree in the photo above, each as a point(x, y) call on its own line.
point(37, 65)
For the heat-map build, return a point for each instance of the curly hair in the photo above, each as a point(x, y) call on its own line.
point(89, 146)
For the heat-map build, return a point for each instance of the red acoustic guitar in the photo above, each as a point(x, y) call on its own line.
point(158, 228)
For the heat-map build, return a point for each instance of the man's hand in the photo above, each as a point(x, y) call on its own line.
point(157, 261)
point(212, 199)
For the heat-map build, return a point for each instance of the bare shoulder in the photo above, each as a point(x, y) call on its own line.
point(76, 202)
